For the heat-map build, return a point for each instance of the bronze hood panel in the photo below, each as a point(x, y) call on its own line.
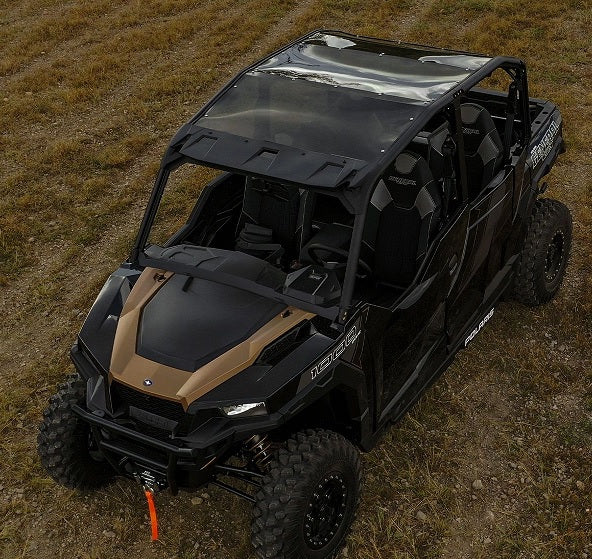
point(174, 384)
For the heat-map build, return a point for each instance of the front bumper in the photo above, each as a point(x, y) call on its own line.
point(131, 452)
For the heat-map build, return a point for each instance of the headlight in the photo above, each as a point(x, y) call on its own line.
point(256, 408)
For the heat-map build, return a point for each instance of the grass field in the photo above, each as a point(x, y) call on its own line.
point(90, 93)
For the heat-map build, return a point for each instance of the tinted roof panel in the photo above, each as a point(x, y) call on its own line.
point(336, 94)
point(308, 115)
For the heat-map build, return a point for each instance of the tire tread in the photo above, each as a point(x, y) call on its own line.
point(60, 445)
point(282, 485)
point(526, 286)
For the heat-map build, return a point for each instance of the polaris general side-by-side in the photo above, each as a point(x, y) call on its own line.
point(322, 238)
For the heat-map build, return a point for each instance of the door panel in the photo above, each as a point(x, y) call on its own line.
point(489, 224)
point(403, 334)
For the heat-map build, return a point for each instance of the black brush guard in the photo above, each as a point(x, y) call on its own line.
point(122, 445)
point(138, 460)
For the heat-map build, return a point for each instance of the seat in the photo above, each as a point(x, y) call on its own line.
point(404, 215)
point(325, 221)
point(270, 219)
point(484, 149)
point(437, 148)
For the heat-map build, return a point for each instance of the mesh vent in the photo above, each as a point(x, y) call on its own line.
point(277, 350)
point(123, 395)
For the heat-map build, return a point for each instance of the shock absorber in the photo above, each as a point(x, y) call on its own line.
point(260, 450)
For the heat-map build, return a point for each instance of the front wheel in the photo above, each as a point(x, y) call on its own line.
point(543, 259)
point(65, 443)
point(308, 499)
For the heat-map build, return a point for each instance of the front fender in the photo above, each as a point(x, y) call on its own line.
point(98, 331)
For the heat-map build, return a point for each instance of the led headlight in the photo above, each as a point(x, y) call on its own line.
point(256, 408)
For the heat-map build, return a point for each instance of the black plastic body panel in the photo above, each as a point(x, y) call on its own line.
point(185, 325)
point(98, 331)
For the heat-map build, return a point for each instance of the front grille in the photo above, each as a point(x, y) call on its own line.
point(123, 395)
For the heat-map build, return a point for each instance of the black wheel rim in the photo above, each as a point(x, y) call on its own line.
point(554, 258)
point(326, 511)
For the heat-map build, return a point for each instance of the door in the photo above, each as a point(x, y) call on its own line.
point(490, 218)
point(408, 339)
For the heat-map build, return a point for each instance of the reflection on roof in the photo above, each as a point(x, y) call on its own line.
point(336, 62)
point(335, 94)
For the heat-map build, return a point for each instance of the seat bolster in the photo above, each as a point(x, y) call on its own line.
point(425, 202)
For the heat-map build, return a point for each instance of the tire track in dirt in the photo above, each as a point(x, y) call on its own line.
point(27, 331)
point(283, 30)
point(31, 329)
point(87, 47)
point(75, 35)
point(87, 120)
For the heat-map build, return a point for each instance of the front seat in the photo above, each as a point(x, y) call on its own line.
point(407, 206)
point(484, 149)
point(268, 224)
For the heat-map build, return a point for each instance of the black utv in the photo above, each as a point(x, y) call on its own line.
point(322, 238)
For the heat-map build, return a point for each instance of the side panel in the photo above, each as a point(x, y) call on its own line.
point(546, 143)
point(322, 378)
point(544, 148)
point(98, 331)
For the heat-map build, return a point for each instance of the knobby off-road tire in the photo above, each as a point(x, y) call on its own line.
point(543, 259)
point(308, 499)
point(65, 444)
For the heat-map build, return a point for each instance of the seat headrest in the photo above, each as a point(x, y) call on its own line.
point(410, 174)
point(483, 146)
point(477, 123)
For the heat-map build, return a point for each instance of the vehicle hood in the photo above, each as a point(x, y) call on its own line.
point(179, 337)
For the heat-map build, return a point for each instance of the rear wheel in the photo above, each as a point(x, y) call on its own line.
point(308, 499)
point(65, 443)
point(542, 262)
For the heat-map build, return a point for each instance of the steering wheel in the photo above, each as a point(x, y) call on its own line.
point(313, 253)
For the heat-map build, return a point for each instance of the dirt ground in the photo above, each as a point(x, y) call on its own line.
point(493, 462)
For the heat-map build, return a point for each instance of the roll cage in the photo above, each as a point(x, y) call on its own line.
point(355, 181)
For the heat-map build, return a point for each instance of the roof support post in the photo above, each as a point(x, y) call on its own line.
point(352, 267)
point(456, 123)
point(150, 214)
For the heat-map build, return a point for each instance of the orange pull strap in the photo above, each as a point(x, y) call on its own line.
point(152, 509)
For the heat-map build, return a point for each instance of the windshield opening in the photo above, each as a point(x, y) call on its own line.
point(283, 237)
point(183, 190)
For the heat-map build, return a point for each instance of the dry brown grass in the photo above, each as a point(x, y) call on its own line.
point(90, 92)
